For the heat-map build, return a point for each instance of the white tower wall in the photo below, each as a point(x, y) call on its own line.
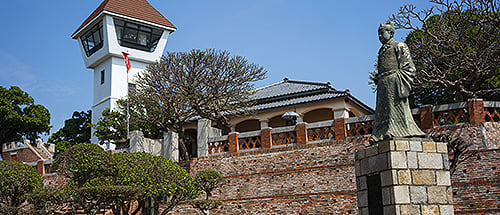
point(110, 60)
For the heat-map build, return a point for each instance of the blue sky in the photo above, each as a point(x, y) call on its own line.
point(320, 40)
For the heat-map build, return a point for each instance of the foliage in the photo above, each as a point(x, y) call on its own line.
point(456, 49)
point(94, 198)
point(75, 130)
point(46, 200)
point(9, 210)
point(205, 205)
point(83, 162)
point(159, 179)
point(20, 116)
point(207, 181)
point(206, 83)
point(17, 180)
point(111, 126)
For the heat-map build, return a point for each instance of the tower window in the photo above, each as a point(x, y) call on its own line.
point(137, 36)
point(92, 39)
point(102, 77)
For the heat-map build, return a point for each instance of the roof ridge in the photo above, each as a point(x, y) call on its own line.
point(267, 86)
point(310, 82)
point(285, 80)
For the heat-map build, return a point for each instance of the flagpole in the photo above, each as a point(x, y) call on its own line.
point(128, 113)
point(127, 65)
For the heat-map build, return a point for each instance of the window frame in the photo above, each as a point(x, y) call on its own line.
point(153, 35)
point(103, 76)
point(88, 36)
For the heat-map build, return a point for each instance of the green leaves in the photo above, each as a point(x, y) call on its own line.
point(17, 180)
point(111, 126)
point(75, 130)
point(20, 117)
point(209, 180)
point(84, 162)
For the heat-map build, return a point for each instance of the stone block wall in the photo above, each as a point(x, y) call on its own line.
point(410, 177)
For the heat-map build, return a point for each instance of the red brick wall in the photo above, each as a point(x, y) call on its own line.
point(24, 155)
point(312, 178)
point(319, 178)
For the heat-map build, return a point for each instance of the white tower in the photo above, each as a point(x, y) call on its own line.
point(117, 26)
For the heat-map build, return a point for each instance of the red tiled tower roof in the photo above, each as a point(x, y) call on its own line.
point(139, 9)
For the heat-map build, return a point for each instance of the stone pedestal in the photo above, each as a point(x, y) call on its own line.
point(404, 176)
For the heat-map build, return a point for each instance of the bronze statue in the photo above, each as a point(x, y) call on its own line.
point(394, 79)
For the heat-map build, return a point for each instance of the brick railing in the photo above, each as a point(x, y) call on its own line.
point(473, 111)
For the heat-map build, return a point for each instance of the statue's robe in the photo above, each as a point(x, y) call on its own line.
point(394, 79)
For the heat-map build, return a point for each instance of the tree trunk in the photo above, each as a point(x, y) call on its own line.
point(183, 152)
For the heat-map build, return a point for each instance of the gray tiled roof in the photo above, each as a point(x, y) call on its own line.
point(290, 93)
point(287, 87)
point(299, 100)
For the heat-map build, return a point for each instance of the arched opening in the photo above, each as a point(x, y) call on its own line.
point(318, 115)
point(248, 125)
point(190, 136)
point(277, 121)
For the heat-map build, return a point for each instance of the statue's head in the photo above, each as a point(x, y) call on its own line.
point(385, 32)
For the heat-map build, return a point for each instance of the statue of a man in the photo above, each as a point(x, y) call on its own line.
point(394, 79)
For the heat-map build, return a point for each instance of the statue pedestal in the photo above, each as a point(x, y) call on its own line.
point(404, 176)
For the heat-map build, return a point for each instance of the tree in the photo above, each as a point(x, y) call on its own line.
point(84, 162)
point(456, 49)
point(75, 130)
point(206, 83)
point(217, 85)
point(111, 126)
point(17, 180)
point(20, 117)
point(160, 180)
point(207, 181)
point(46, 200)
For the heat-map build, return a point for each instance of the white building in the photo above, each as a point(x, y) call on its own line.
point(116, 26)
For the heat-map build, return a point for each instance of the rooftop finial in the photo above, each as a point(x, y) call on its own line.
point(285, 79)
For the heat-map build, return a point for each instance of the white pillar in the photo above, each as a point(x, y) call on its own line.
point(264, 123)
point(341, 112)
point(171, 146)
point(202, 137)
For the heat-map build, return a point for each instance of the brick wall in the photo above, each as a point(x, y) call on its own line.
point(23, 154)
point(304, 179)
point(319, 178)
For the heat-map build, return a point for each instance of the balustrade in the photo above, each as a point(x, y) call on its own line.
point(320, 131)
point(427, 117)
point(249, 140)
point(218, 145)
point(283, 136)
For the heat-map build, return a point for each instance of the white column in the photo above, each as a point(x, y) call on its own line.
point(340, 112)
point(202, 137)
point(171, 146)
